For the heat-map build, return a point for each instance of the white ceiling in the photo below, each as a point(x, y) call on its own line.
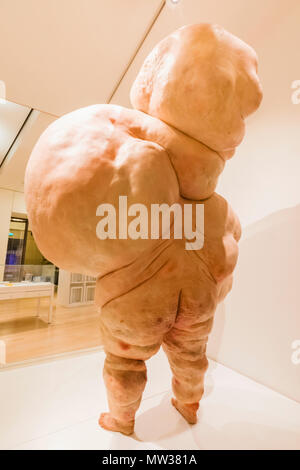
point(59, 55)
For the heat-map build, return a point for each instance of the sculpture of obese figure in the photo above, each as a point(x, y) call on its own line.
point(190, 100)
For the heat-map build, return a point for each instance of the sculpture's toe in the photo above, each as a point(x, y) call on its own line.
point(109, 423)
point(187, 410)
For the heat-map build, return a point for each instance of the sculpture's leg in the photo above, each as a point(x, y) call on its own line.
point(132, 329)
point(186, 351)
point(125, 377)
point(125, 380)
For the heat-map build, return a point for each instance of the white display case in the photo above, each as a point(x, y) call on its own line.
point(75, 289)
point(25, 290)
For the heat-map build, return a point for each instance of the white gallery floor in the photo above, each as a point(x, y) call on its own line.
point(55, 405)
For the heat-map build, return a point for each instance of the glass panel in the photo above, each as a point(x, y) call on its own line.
point(75, 295)
point(12, 118)
point(76, 277)
point(15, 246)
point(29, 273)
point(90, 293)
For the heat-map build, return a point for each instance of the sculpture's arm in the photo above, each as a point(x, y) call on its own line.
point(86, 159)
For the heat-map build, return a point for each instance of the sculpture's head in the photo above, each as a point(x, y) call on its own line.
point(203, 81)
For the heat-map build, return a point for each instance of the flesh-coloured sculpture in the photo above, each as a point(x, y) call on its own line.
point(190, 100)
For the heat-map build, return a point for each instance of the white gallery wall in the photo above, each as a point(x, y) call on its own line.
point(59, 55)
point(258, 322)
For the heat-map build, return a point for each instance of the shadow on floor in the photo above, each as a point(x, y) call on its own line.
point(164, 427)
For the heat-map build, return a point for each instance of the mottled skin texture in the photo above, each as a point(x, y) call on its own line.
point(191, 97)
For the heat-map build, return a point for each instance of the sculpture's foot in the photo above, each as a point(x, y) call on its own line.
point(109, 423)
point(187, 410)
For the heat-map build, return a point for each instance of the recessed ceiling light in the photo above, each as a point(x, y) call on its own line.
point(175, 1)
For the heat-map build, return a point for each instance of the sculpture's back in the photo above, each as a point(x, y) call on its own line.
point(191, 97)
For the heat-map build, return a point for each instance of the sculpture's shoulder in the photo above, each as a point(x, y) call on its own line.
point(83, 163)
point(80, 144)
point(89, 125)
